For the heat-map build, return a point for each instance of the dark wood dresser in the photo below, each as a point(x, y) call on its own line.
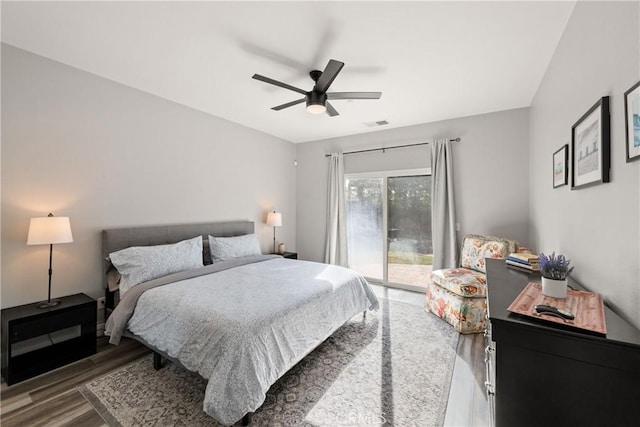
point(540, 374)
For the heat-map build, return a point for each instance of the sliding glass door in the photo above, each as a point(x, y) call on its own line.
point(364, 199)
point(410, 254)
point(389, 226)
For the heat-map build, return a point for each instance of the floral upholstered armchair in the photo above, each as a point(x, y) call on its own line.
point(458, 295)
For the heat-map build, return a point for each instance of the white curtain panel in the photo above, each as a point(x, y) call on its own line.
point(443, 212)
point(336, 245)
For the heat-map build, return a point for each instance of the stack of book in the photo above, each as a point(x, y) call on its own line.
point(524, 260)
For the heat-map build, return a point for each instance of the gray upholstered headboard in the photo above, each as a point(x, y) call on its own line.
point(121, 238)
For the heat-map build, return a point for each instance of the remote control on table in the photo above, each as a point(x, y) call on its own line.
point(553, 311)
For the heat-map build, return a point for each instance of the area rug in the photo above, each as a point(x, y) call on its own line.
point(392, 367)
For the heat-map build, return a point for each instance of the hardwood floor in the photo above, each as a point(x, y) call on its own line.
point(468, 405)
point(52, 399)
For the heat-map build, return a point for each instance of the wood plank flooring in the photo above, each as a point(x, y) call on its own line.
point(52, 399)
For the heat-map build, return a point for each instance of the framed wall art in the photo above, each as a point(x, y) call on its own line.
point(632, 121)
point(591, 146)
point(560, 170)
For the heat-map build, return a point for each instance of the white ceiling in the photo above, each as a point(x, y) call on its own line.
point(431, 60)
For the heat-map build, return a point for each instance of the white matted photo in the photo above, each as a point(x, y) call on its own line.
point(560, 170)
point(632, 121)
point(590, 146)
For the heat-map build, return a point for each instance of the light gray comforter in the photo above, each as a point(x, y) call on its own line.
point(243, 327)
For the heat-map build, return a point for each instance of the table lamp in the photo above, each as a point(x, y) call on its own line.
point(47, 231)
point(274, 219)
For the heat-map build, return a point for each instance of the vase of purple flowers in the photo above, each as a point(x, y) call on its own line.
point(554, 269)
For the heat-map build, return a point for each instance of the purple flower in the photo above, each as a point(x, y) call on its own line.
point(554, 267)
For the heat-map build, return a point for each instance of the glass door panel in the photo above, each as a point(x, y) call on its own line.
point(410, 251)
point(365, 228)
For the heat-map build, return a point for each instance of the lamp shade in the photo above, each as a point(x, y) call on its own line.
point(49, 230)
point(274, 219)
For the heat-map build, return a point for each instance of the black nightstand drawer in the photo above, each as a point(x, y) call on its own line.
point(36, 340)
point(24, 329)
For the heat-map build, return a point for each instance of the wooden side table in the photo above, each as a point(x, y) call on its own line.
point(36, 340)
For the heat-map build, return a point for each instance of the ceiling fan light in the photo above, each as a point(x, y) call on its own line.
point(316, 108)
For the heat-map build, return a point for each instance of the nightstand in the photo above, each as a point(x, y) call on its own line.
point(36, 340)
point(290, 255)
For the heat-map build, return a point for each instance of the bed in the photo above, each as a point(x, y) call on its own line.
point(241, 322)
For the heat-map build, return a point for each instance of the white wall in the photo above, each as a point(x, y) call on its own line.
point(490, 173)
point(596, 227)
point(107, 155)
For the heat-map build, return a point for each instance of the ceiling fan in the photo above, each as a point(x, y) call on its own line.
point(317, 99)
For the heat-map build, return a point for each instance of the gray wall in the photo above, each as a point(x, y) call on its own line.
point(490, 173)
point(596, 227)
point(107, 155)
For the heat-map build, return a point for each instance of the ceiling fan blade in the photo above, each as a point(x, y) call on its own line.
point(330, 110)
point(289, 104)
point(328, 75)
point(354, 95)
point(277, 83)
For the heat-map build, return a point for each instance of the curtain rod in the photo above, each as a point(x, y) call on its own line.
point(383, 149)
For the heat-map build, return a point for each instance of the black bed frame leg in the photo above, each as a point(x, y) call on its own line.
point(364, 314)
point(157, 361)
point(246, 420)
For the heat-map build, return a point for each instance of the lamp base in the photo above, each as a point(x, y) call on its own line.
point(49, 304)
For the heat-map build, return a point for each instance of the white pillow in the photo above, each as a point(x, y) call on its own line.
point(223, 248)
point(139, 264)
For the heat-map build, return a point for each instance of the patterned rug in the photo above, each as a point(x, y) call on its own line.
point(393, 367)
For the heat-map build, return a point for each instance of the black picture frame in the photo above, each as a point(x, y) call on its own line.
point(632, 122)
point(591, 146)
point(561, 166)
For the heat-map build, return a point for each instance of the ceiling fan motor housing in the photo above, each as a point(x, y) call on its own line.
point(316, 98)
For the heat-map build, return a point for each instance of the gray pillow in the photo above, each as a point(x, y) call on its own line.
point(139, 264)
point(223, 248)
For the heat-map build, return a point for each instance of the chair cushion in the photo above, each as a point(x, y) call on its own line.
point(461, 281)
point(476, 248)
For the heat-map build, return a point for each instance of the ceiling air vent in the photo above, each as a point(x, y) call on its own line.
point(376, 123)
